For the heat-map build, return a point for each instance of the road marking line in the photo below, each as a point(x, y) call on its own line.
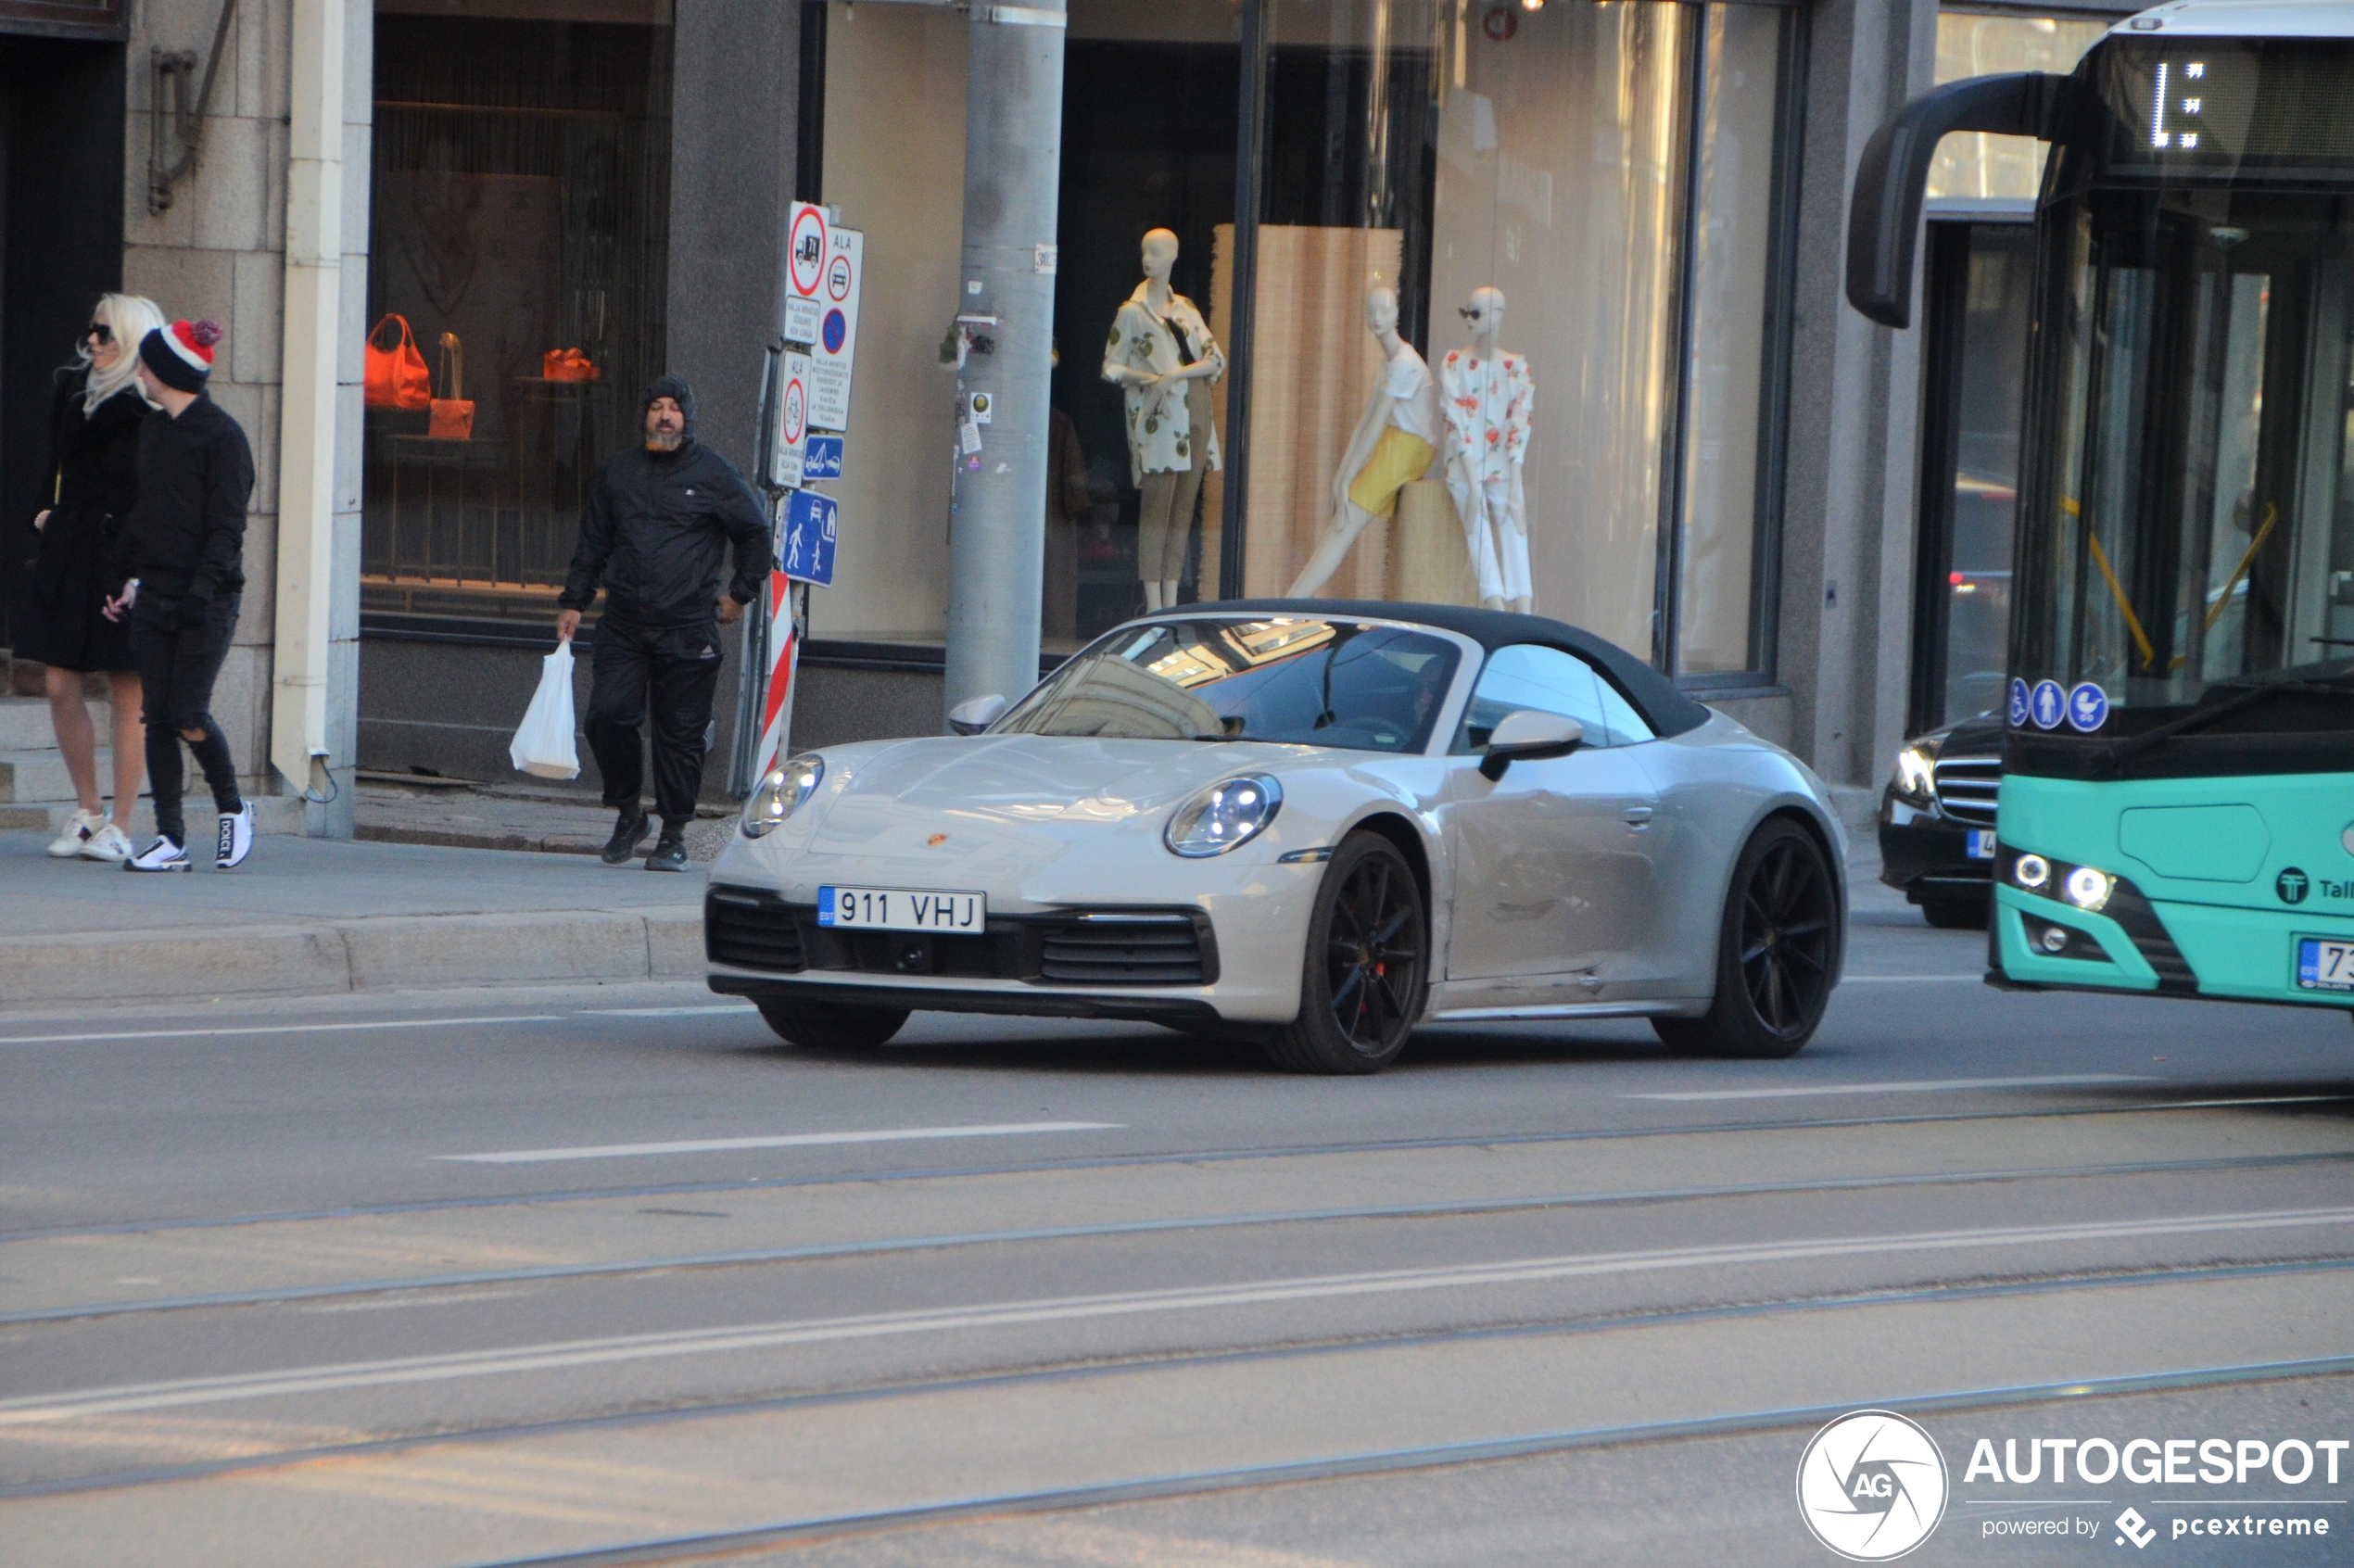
point(276, 1028)
point(27, 1410)
point(669, 1012)
point(785, 1141)
point(1922, 1086)
point(1909, 980)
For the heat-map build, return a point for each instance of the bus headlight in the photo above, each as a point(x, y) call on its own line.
point(2088, 889)
point(1916, 775)
point(2031, 872)
point(785, 791)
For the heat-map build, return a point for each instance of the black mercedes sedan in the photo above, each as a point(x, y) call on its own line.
point(1937, 822)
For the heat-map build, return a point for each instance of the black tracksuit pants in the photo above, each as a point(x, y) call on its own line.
point(179, 647)
point(670, 674)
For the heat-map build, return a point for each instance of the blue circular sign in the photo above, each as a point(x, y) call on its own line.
point(835, 330)
point(2019, 703)
point(2048, 704)
point(2087, 708)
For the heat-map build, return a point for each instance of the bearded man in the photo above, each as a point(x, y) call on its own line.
point(653, 536)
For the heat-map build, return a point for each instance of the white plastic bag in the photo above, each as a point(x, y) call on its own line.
point(543, 746)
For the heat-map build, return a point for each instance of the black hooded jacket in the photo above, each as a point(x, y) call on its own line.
point(656, 527)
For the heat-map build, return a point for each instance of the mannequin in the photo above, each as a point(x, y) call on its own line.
point(1161, 354)
point(1490, 399)
point(1394, 444)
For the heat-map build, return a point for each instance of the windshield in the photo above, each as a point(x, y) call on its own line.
point(2188, 522)
point(1308, 682)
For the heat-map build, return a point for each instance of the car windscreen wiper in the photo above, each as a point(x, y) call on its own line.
point(2340, 686)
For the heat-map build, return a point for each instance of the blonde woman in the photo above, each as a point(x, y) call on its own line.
point(94, 429)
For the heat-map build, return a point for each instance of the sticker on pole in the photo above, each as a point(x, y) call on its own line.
point(834, 344)
point(806, 237)
point(787, 467)
point(805, 545)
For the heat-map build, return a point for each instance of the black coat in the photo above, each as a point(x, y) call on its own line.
point(94, 465)
point(654, 533)
point(186, 537)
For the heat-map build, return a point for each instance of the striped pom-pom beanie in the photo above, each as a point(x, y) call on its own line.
point(181, 354)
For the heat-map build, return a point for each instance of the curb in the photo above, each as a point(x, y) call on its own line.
point(405, 952)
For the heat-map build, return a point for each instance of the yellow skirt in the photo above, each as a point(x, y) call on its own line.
point(1399, 460)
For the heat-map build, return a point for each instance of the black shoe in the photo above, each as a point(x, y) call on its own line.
point(626, 833)
point(670, 853)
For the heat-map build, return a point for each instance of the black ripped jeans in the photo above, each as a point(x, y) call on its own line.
point(672, 672)
point(179, 645)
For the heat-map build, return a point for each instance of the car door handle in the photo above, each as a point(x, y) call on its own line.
point(1637, 817)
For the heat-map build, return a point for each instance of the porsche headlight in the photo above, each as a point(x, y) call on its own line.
point(1229, 812)
point(1916, 775)
point(784, 791)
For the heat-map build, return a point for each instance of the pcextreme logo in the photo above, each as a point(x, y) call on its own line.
point(1871, 1485)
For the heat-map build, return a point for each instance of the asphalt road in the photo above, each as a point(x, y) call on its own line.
point(608, 1275)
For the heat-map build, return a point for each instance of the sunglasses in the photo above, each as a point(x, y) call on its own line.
point(100, 330)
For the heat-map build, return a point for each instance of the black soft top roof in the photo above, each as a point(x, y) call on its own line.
point(1668, 711)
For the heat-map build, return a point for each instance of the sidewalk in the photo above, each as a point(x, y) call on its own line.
point(312, 917)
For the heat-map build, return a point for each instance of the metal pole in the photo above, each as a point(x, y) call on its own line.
point(997, 522)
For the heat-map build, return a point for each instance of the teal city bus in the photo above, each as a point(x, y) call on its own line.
point(2176, 813)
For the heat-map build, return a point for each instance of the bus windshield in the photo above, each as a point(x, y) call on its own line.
point(2188, 520)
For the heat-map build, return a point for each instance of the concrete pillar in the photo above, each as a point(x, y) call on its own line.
point(735, 106)
point(997, 524)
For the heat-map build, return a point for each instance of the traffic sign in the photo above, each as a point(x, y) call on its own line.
point(792, 422)
point(806, 246)
point(805, 545)
point(834, 344)
point(820, 458)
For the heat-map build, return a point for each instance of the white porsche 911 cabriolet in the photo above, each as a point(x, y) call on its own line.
point(1312, 824)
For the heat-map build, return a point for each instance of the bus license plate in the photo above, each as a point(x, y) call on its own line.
point(2324, 964)
point(900, 909)
point(1981, 843)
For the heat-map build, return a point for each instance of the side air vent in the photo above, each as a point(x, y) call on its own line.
point(1119, 949)
point(750, 928)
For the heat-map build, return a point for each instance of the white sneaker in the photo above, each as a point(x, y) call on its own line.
point(161, 856)
point(77, 833)
point(237, 839)
point(108, 844)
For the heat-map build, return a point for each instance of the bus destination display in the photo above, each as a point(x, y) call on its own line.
point(2218, 105)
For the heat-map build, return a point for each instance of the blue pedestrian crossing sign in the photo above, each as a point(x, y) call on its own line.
point(805, 544)
point(821, 457)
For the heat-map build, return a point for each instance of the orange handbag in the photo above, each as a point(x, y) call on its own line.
point(453, 417)
point(566, 364)
point(396, 377)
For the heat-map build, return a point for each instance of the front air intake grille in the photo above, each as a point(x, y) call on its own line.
point(2132, 910)
point(750, 928)
point(1123, 950)
point(1966, 786)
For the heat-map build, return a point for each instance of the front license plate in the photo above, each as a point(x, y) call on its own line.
point(900, 909)
point(1981, 843)
point(2324, 964)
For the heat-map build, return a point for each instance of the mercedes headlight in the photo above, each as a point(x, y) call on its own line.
point(1916, 775)
point(1229, 812)
point(785, 791)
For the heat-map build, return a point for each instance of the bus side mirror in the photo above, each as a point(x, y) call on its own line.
point(1529, 735)
point(1884, 220)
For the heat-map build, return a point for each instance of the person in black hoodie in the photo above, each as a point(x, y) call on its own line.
point(179, 562)
point(652, 535)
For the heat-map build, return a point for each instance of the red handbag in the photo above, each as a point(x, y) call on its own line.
point(452, 417)
point(396, 377)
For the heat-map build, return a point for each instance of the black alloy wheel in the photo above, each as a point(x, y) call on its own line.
point(1366, 969)
point(1777, 952)
point(834, 1026)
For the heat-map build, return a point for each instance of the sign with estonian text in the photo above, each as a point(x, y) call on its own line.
point(792, 423)
point(836, 344)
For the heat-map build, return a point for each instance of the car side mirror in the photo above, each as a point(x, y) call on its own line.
point(1528, 734)
point(976, 714)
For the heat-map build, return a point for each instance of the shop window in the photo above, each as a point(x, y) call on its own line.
point(519, 208)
